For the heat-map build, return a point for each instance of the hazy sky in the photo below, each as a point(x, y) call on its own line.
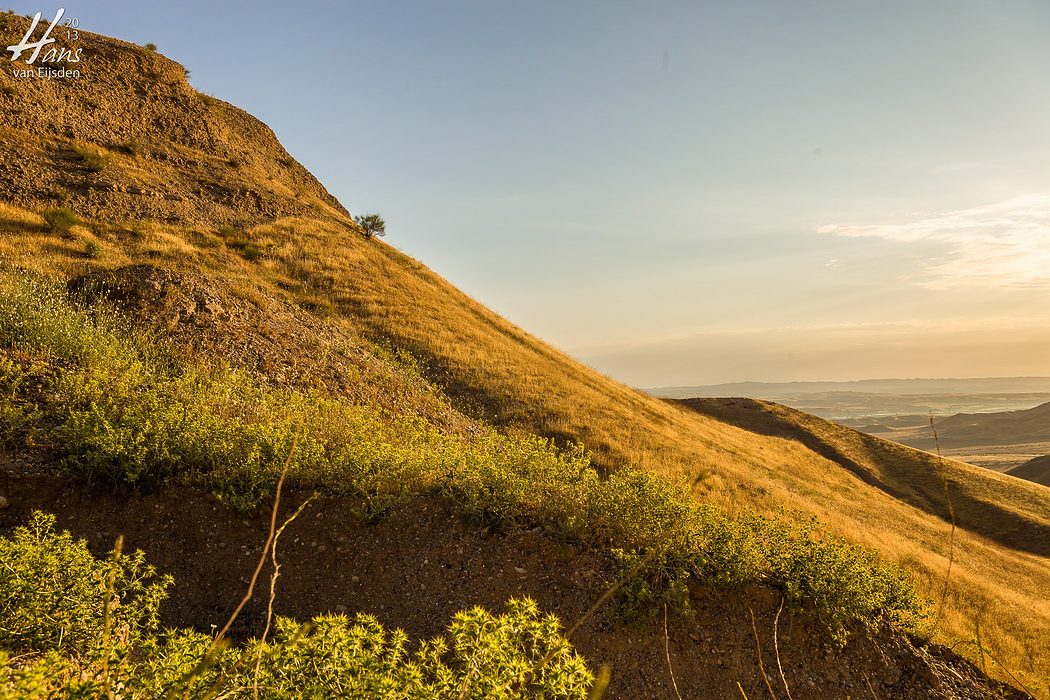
point(676, 192)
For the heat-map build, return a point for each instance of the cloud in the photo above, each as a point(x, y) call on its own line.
point(1002, 244)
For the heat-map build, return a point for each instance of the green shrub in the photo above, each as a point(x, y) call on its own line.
point(132, 148)
point(53, 592)
point(151, 47)
point(138, 229)
point(18, 415)
point(9, 91)
point(250, 251)
point(91, 160)
point(60, 220)
point(37, 317)
point(92, 250)
point(54, 598)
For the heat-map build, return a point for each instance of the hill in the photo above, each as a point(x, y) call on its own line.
point(1001, 441)
point(1005, 428)
point(413, 391)
point(1037, 470)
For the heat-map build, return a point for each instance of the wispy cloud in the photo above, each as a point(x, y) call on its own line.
point(1002, 244)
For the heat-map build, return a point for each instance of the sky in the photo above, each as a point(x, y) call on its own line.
point(675, 192)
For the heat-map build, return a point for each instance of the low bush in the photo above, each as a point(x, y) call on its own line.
point(91, 160)
point(60, 220)
point(84, 627)
point(250, 251)
point(54, 593)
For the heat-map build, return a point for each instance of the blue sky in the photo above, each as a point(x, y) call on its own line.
point(676, 192)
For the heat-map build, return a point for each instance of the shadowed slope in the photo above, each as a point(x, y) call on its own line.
point(1037, 470)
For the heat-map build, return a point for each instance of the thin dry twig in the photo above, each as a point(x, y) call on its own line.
point(273, 589)
point(466, 682)
point(667, 651)
point(951, 536)
point(870, 689)
point(1001, 665)
point(761, 665)
point(776, 648)
point(741, 690)
point(951, 557)
point(266, 547)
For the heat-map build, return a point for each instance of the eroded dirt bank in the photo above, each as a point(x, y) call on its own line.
point(418, 565)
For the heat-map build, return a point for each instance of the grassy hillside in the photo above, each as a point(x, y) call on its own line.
point(368, 326)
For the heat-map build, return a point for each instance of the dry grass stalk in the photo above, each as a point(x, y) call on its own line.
point(601, 683)
point(667, 652)
point(266, 547)
point(273, 589)
point(761, 664)
point(776, 648)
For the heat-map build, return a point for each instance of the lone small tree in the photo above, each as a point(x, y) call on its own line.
point(371, 225)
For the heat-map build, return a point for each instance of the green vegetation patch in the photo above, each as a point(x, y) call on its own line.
point(60, 220)
point(92, 161)
point(75, 626)
point(124, 410)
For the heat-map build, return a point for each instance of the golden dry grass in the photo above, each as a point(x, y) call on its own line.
point(495, 369)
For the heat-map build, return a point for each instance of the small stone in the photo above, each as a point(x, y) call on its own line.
point(3, 503)
point(355, 579)
point(520, 570)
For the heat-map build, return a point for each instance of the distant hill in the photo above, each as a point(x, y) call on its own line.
point(1034, 470)
point(1037, 470)
point(967, 429)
